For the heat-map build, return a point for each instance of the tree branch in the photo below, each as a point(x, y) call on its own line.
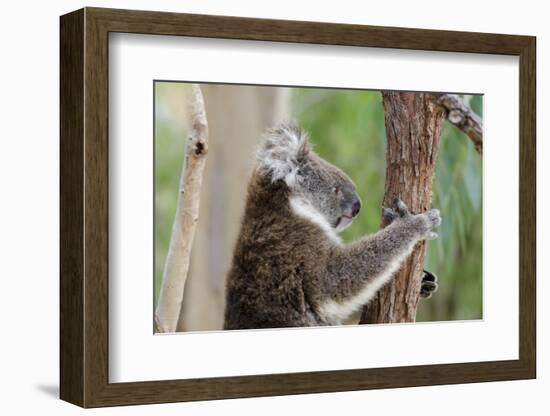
point(185, 222)
point(459, 115)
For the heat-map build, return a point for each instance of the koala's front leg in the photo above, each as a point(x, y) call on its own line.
point(357, 271)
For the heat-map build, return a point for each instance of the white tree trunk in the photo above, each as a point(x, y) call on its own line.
point(176, 265)
point(238, 116)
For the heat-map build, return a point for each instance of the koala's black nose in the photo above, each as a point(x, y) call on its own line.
point(355, 208)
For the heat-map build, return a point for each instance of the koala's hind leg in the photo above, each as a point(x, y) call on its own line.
point(429, 285)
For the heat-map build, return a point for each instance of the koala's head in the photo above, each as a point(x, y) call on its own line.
point(287, 156)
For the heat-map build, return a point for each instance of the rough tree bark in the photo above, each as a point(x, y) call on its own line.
point(413, 129)
point(176, 265)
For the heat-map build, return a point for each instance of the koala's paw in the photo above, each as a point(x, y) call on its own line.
point(434, 216)
point(429, 285)
point(400, 208)
point(424, 223)
point(430, 220)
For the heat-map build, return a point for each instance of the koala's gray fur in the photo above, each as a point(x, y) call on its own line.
point(289, 266)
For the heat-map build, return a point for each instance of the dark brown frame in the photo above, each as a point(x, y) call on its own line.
point(84, 207)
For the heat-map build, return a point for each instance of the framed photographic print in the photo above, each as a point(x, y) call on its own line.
point(255, 207)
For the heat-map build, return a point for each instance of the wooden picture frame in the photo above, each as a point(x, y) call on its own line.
point(84, 207)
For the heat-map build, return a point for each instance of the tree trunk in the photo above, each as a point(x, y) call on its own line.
point(237, 117)
point(185, 223)
point(413, 130)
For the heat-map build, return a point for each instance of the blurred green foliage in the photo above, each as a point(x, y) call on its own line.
point(347, 128)
point(169, 148)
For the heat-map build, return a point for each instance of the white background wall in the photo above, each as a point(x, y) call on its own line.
point(29, 158)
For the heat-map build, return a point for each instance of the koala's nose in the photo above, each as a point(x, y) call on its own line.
point(356, 207)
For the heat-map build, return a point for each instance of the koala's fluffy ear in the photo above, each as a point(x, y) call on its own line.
point(280, 155)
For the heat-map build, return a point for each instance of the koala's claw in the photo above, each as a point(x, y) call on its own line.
point(400, 207)
point(429, 285)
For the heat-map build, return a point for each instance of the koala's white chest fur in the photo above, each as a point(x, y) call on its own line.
point(303, 208)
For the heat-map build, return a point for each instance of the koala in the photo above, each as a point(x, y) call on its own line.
point(290, 268)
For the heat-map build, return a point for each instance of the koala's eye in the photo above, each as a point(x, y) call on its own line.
point(336, 190)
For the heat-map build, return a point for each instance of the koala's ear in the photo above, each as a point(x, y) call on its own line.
point(280, 155)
